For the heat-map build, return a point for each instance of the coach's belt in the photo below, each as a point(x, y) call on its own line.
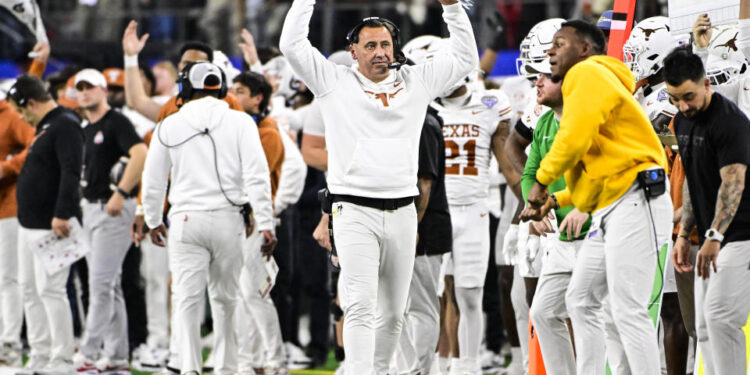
point(380, 204)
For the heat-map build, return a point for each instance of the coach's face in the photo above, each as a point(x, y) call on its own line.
point(191, 55)
point(691, 98)
point(373, 52)
point(567, 50)
point(90, 96)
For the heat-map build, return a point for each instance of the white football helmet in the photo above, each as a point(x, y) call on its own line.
point(422, 48)
point(726, 62)
point(279, 69)
point(222, 61)
point(649, 43)
point(535, 45)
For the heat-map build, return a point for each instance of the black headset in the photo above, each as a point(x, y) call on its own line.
point(16, 96)
point(398, 57)
point(186, 88)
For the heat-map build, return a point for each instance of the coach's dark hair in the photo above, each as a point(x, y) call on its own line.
point(681, 65)
point(257, 84)
point(200, 46)
point(28, 87)
point(590, 33)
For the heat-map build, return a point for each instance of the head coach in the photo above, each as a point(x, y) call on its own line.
point(374, 113)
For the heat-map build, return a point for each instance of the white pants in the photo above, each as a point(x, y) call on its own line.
point(548, 312)
point(155, 271)
point(11, 304)
point(722, 304)
point(376, 253)
point(260, 343)
point(422, 319)
point(625, 237)
point(205, 248)
point(471, 243)
point(107, 319)
point(49, 323)
point(521, 308)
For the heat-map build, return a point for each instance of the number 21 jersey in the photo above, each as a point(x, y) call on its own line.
point(468, 130)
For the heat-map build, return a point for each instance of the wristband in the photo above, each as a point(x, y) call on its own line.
point(683, 236)
point(139, 210)
point(557, 205)
point(122, 192)
point(131, 61)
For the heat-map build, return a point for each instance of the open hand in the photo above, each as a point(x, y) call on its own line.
point(702, 31)
point(131, 45)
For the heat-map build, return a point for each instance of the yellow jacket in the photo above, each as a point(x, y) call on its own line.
point(605, 137)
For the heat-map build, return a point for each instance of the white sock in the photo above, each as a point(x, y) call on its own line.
point(516, 355)
point(455, 365)
point(444, 363)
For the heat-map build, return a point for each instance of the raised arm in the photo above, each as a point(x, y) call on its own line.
point(135, 95)
point(446, 69)
point(307, 62)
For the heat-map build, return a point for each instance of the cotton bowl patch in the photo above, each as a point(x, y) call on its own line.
point(490, 101)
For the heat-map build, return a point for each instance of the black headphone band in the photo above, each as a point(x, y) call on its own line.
point(353, 35)
point(13, 94)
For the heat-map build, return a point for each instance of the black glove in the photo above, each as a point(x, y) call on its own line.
point(497, 25)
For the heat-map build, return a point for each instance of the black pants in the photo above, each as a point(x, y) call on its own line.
point(134, 292)
point(491, 299)
point(310, 281)
point(284, 254)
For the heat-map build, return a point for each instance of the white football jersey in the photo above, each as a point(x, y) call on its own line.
point(468, 131)
point(656, 102)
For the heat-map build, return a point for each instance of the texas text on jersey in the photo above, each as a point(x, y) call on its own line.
point(468, 132)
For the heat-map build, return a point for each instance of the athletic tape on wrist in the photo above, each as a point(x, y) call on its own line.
point(131, 61)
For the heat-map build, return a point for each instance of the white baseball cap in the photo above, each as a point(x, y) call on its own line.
point(205, 76)
point(92, 77)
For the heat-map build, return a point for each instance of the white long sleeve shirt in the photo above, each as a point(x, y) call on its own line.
point(293, 173)
point(237, 154)
point(372, 129)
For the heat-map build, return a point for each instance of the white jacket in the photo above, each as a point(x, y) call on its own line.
point(237, 154)
point(293, 174)
point(372, 129)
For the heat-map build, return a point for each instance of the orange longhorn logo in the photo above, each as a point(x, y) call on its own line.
point(648, 32)
point(730, 44)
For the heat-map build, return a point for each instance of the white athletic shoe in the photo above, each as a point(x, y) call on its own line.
point(490, 361)
point(296, 358)
point(83, 365)
point(146, 358)
point(11, 356)
point(113, 366)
